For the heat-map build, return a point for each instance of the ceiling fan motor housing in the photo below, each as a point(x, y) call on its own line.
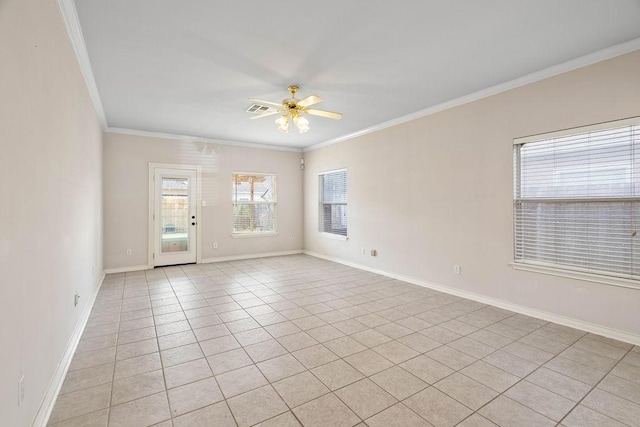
point(290, 103)
point(294, 108)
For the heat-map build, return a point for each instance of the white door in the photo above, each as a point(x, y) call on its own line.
point(174, 218)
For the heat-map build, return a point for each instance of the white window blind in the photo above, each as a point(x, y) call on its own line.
point(577, 199)
point(254, 203)
point(333, 202)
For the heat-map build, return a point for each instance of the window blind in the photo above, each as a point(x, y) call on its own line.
point(577, 199)
point(254, 203)
point(333, 202)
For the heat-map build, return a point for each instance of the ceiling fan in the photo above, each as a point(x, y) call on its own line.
point(293, 109)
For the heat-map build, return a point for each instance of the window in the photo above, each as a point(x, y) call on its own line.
point(333, 202)
point(577, 199)
point(254, 203)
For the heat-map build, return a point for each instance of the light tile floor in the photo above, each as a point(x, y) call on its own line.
point(294, 340)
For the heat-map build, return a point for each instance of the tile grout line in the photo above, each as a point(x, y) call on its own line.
point(551, 391)
point(326, 287)
point(596, 386)
point(368, 376)
point(371, 348)
point(155, 329)
point(540, 366)
point(325, 341)
point(113, 375)
point(474, 411)
point(224, 398)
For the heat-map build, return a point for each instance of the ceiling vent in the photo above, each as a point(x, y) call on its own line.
point(258, 109)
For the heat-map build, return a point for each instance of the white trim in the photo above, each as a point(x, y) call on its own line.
point(578, 135)
point(188, 138)
point(198, 214)
point(274, 202)
point(69, 15)
point(578, 275)
point(540, 314)
point(51, 394)
point(234, 173)
point(631, 121)
point(332, 236)
point(321, 203)
point(152, 193)
point(152, 209)
point(250, 256)
point(254, 234)
point(574, 64)
point(208, 260)
point(273, 174)
point(127, 269)
point(332, 171)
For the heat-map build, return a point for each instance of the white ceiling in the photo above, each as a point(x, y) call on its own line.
point(187, 67)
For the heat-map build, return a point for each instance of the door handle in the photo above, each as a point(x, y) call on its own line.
point(193, 223)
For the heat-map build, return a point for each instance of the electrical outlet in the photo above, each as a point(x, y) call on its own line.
point(76, 299)
point(129, 252)
point(291, 238)
point(215, 245)
point(456, 269)
point(21, 390)
point(374, 252)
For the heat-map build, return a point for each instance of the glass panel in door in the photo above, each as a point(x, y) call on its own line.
point(174, 215)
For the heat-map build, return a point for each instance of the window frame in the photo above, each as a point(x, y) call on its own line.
point(322, 203)
point(234, 202)
point(567, 271)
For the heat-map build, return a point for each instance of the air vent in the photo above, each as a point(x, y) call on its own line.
point(258, 109)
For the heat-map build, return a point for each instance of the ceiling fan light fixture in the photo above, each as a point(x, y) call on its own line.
point(283, 124)
point(291, 110)
point(301, 123)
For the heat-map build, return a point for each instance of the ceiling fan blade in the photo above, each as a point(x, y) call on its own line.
point(322, 113)
point(309, 101)
point(270, 113)
point(262, 101)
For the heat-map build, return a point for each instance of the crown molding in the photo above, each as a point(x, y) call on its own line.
point(187, 138)
point(69, 15)
point(574, 64)
point(72, 23)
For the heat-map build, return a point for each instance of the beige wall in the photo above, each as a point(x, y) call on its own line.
point(427, 195)
point(50, 201)
point(437, 191)
point(126, 189)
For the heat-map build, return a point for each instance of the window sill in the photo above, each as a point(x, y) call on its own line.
point(260, 234)
point(334, 236)
point(579, 275)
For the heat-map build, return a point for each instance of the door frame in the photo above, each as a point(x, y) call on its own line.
point(150, 218)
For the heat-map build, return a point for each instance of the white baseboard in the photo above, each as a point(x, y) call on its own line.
point(540, 314)
point(49, 400)
point(207, 260)
point(259, 255)
point(126, 269)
